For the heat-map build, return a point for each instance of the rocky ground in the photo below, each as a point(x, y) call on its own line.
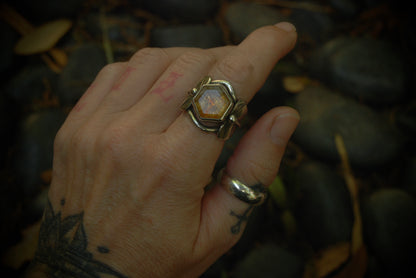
point(344, 202)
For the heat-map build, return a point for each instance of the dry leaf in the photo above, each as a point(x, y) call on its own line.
point(357, 267)
point(295, 84)
point(25, 250)
point(42, 38)
point(332, 258)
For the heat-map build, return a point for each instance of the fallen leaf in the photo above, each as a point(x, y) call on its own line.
point(295, 84)
point(25, 250)
point(356, 267)
point(42, 38)
point(332, 258)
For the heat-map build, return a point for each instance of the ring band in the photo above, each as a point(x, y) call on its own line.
point(253, 195)
point(214, 107)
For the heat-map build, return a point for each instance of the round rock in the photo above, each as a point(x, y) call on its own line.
point(389, 227)
point(31, 83)
point(34, 149)
point(201, 36)
point(324, 208)
point(269, 261)
point(195, 10)
point(243, 18)
point(369, 139)
point(83, 65)
point(369, 69)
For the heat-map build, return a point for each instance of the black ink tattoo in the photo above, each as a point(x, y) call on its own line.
point(62, 248)
point(103, 249)
point(236, 228)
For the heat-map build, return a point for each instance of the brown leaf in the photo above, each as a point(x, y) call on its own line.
point(42, 38)
point(295, 84)
point(25, 250)
point(357, 266)
point(332, 258)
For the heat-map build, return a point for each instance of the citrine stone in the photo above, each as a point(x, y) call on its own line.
point(212, 102)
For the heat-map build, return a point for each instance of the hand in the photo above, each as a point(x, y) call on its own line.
point(127, 196)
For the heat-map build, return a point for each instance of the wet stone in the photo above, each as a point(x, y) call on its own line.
point(270, 261)
point(201, 36)
point(243, 18)
point(323, 209)
point(78, 73)
point(31, 83)
point(311, 25)
point(9, 39)
point(195, 10)
point(369, 69)
point(369, 138)
point(37, 11)
point(34, 150)
point(389, 229)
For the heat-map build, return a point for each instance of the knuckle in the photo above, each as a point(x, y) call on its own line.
point(191, 59)
point(111, 69)
point(149, 55)
point(262, 172)
point(236, 69)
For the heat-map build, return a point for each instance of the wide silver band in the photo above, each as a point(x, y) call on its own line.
point(253, 195)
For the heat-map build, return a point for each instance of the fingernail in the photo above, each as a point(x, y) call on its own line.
point(283, 127)
point(286, 26)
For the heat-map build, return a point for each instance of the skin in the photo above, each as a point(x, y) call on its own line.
point(127, 197)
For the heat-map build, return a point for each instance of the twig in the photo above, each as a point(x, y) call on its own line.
point(357, 237)
point(106, 40)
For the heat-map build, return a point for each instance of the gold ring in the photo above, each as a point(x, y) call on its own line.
point(214, 107)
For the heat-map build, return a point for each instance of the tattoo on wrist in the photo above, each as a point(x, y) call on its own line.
point(62, 248)
point(241, 219)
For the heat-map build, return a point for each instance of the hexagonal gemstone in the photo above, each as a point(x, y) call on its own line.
point(211, 103)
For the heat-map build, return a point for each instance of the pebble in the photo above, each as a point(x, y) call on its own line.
point(31, 83)
point(9, 40)
point(195, 10)
point(34, 150)
point(369, 139)
point(269, 261)
point(347, 8)
point(83, 65)
point(323, 209)
point(369, 69)
point(243, 18)
point(311, 25)
point(409, 176)
point(389, 228)
point(201, 36)
point(44, 10)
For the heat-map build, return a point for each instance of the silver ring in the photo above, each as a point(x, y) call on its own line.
point(214, 107)
point(253, 195)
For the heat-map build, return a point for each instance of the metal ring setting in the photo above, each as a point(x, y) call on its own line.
point(253, 195)
point(214, 107)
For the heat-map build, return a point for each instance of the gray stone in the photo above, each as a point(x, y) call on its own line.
point(201, 36)
point(323, 209)
point(83, 65)
point(369, 69)
point(243, 18)
point(195, 10)
point(369, 138)
point(311, 25)
point(9, 40)
point(31, 83)
point(269, 261)
point(389, 224)
point(34, 150)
